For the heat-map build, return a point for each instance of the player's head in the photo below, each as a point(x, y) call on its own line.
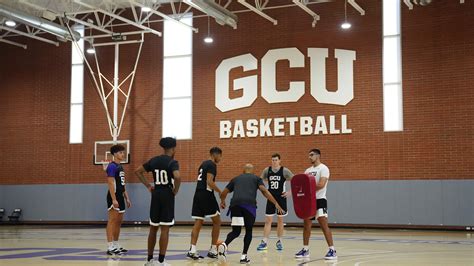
point(314, 155)
point(276, 160)
point(118, 151)
point(248, 169)
point(169, 145)
point(216, 154)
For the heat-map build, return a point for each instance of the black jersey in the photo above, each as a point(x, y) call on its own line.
point(162, 167)
point(116, 171)
point(205, 168)
point(276, 181)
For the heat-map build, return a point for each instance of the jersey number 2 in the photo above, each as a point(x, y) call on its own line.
point(200, 175)
point(161, 177)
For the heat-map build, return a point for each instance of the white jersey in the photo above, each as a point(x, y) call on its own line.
point(317, 172)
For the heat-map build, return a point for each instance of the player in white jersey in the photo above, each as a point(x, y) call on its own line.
point(321, 174)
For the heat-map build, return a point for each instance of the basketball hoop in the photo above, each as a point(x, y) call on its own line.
point(105, 163)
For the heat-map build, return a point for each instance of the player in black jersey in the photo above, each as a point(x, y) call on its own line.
point(276, 176)
point(205, 203)
point(167, 181)
point(116, 198)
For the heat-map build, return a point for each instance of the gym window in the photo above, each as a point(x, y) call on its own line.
point(77, 91)
point(177, 79)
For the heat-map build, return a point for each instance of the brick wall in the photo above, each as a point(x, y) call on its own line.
point(438, 71)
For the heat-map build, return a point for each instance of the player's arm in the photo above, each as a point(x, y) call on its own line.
point(177, 181)
point(127, 199)
point(269, 196)
point(264, 174)
point(140, 173)
point(223, 197)
point(288, 176)
point(111, 185)
point(322, 182)
point(212, 184)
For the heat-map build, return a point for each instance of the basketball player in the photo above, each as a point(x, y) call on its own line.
point(276, 175)
point(167, 181)
point(116, 198)
point(243, 208)
point(205, 204)
point(321, 174)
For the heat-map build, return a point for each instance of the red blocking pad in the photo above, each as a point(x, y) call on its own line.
point(303, 190)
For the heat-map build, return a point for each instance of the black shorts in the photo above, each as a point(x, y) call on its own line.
point(204, 205)
point(162, 207)
point(322, 211)
point(271, 209)
point(241, 217)
point(121, 201)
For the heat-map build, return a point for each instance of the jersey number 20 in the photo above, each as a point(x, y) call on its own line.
point(161, 177)
point(273, 184)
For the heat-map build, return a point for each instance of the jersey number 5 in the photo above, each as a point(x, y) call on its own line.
point(161, 177)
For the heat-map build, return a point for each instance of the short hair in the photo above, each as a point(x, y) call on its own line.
point(215, 150)
point(116, 148)
point(276, 155)
point(168, 143)
point(317, 151)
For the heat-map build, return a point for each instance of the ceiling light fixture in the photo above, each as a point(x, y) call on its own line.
point(346, 25)
point(146, 9)
point(10, 23)
point(208, 39)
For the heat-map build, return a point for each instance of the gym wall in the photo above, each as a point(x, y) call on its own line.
point(377, 177)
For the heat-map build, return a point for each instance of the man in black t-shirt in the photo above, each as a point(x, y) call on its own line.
point(167, 181)
point(205, 203)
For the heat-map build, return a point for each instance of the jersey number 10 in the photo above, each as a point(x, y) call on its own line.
point(161, 177)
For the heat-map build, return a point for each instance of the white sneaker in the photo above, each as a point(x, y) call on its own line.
point(156, 263)
point(222, 249)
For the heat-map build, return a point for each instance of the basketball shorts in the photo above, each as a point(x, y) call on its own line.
point(271, 209)
point(241, 217)
point(322, 211)
point(204, 205)
point(121, 201)
point(162, 207)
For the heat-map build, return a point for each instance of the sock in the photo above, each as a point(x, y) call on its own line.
point(149, 258)
point(265, 240)
point(243, 256)
point(332, 247)
point(161, 258)
point(213, 249)
point(116, 244)
point(306, 247)
point(110, 245)
point(193, 249)
point(279, 239)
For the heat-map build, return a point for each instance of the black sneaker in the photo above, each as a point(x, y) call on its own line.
point(212, 255)
point(245, 260)
point(122, 250)
point(114, 251)
point(194, 256)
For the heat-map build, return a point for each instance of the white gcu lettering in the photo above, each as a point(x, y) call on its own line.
point(248, 85)
point(269, 89)
point(345, 76)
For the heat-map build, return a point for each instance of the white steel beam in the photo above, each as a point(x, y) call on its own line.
point(356, 7)
point(164, 15)
point(90, 25)
point(13, 43)
point(303, 6)
point(110, 14)
point(258, 11)
point(409, 4)
point(29, 35)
